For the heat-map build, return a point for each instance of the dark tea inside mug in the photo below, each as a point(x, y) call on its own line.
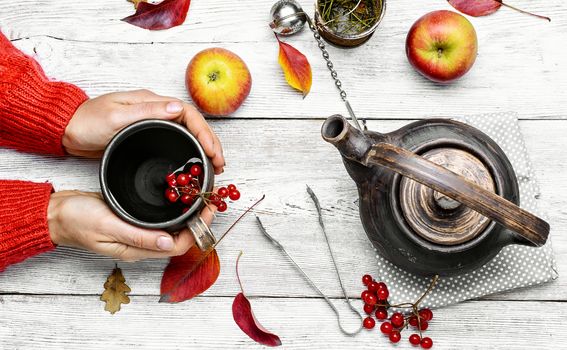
point(134, 169)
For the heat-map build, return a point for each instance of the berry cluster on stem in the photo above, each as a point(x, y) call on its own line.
point(375, 299)
point(186, 188)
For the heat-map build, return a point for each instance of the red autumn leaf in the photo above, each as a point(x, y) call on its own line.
point(478, 8)
point(166, 14)
point(296, 68)
point(189, 275)
point(244, 318)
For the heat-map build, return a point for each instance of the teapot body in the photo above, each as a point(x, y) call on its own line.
point(380, 206)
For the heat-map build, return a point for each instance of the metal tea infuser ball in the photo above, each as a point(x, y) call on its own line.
point(288, 18)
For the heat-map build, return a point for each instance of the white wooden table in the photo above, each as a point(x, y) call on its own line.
point(272, 145)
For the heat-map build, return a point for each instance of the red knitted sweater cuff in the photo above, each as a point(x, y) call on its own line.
point(34, 111)
point(24, 231)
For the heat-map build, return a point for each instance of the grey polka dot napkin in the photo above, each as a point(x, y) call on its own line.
point(515, 266)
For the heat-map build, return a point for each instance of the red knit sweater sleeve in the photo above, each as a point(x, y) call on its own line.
point(34, 111)
point(23, 220)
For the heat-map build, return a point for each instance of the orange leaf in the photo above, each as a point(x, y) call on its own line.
point(189, 275)
point(296, 68)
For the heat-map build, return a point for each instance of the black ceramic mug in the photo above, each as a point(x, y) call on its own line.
point(133, 171)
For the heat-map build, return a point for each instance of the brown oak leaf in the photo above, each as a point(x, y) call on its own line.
point(115, 289)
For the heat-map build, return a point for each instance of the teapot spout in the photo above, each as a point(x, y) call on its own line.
point(351, 142)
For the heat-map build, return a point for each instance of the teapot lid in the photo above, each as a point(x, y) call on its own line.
point(436, 217)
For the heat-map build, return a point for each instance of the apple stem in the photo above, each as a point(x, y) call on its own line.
point(213, 76)
point(522, 11)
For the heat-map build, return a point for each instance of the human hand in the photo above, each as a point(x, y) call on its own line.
point(98, 119)
point(103, 232)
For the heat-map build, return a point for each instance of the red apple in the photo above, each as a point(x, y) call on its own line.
point(218, 81)
point(442, 46)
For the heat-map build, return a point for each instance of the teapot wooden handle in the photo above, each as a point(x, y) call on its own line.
point(411, 165)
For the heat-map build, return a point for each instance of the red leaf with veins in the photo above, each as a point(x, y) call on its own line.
point(189, 275)
point(166, 14)
point(478, 8)
point(244, 318)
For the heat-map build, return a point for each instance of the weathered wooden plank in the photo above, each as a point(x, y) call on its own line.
point(380, 82)
point(277, 158)
point(247, 20)
point(69, 322)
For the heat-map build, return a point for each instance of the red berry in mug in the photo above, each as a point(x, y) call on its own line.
point(222, 206)
point(369, 323)
point(186, 199)
point(414, 339)
point(171, 195)
point(366, 280)
point(234, 195)
point(368, 308)
point(223, 192)
point(382, 294)
point(397, 320)
point(381, 313)
point(169, 177)
point(182, 179)
point(172, 183)
point(386, 328)
point(395, 336)
point(426, 343)
point(195, 170)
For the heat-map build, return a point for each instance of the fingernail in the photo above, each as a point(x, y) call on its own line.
point(174, 107)
point(165, 243)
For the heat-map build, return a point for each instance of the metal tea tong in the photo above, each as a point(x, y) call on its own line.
point(280, 247)
point(289, 18)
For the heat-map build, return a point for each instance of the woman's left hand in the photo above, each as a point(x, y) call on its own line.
point(97, 120)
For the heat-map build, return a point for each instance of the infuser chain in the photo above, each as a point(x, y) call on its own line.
point(331, 68)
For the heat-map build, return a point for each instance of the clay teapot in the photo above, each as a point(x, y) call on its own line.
point(436, 196)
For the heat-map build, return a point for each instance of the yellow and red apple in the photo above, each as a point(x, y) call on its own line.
point(442, 46)
point(218, 81)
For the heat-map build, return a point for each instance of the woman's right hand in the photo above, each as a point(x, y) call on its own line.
point(83, 220)
point(98, 119)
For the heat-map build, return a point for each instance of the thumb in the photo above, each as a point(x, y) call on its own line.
point(152, 110)
point(208, 214)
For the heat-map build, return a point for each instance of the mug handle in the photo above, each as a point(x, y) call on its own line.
point(204, 237)
point(530, 227)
